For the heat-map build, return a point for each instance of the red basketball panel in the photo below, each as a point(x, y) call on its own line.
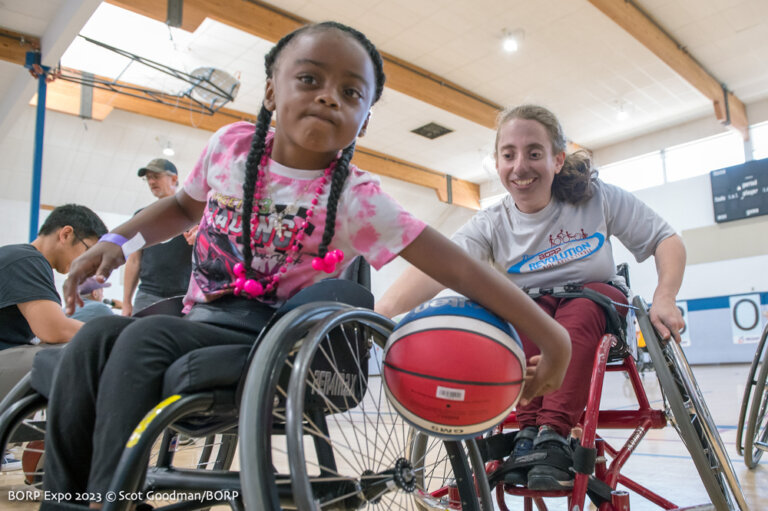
point(455, 354)
point(469, 404)
point(452, 377)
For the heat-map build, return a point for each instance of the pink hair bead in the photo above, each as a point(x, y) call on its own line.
point(330, 259)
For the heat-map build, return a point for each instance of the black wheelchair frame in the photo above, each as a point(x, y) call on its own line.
point(752, 429)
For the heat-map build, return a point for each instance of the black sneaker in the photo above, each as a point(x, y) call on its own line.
point(554, 473)
point(523, 445)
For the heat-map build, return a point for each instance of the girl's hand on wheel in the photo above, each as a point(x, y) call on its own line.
point(541, 377)
point(99, 261)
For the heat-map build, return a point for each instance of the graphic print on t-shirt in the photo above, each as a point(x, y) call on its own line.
point(561, 252)
point(218, 245)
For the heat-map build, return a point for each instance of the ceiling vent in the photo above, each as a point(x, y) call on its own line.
point(431, 130)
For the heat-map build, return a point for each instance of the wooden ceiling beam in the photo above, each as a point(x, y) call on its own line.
point(15, 45)
point(729, 110)
point(270, 23)
point(64, 96)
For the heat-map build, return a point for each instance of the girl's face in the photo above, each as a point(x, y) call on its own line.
point(526, 163)
point(321, 89)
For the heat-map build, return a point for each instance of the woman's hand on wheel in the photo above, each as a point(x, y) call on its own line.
point(667, 318)
point(98, 261)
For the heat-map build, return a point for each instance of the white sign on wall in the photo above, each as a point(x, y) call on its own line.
point(746, 320)
point(685, 335)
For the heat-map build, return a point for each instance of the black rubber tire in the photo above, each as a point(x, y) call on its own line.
point(690, 416)
point(262, 406)
point(748, 388)
point(757, 420)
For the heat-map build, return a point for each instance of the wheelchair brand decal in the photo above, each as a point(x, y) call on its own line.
point(334, 384)
point(559, 254)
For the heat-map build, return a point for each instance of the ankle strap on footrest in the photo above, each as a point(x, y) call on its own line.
point(584, 459)
point(496, 447)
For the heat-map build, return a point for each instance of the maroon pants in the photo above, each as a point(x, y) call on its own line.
point(585, 322)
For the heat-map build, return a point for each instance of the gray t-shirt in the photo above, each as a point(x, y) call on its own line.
point(563, 243)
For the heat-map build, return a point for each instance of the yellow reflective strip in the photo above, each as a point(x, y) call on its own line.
point(134, 439)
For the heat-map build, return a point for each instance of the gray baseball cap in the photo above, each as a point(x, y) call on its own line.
point(159, 165)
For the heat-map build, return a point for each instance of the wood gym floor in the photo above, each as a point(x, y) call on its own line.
point(661, 461)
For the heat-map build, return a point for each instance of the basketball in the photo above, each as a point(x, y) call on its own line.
point(452, 368)
point(32, 462)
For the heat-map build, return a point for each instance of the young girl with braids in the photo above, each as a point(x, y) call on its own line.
point(277, 211)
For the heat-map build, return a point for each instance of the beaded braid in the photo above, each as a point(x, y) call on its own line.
point(251, 173)
point(262, 127)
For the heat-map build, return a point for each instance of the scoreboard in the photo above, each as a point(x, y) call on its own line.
point(740, 191)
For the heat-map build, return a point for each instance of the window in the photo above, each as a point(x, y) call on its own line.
point(635, 173)
point(758, 134)
point(699, 157)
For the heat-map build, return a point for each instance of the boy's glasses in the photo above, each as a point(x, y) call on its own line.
point(81, 240)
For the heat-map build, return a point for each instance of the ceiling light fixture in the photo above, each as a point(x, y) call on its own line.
point(168, 150)
point(622, 111)
point(510, 41)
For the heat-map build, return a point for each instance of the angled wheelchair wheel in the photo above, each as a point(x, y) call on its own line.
point(756, 437)
point(757, 361)
point(23, 430)
point(435, 474)
point(348, 448)
point(265, 475)
point(351, 449)
point(688, 412)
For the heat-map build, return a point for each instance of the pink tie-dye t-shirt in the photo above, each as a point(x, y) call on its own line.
point(368, 221)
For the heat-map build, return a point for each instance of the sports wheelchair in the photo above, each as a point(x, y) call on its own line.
point(752, 442)
point(315, 428)
point(684, 407)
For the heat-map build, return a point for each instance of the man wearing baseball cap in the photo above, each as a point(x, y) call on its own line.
point(163, 270)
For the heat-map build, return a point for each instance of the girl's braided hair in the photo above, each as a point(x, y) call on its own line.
point(262, 127)
point(573, 183)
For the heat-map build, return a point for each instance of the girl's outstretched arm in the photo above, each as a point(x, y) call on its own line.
point(158, 222)
point(443, 261)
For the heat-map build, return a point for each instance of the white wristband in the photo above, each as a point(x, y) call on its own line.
point(132, 245)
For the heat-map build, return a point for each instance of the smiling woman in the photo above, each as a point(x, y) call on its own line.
point(554, 228)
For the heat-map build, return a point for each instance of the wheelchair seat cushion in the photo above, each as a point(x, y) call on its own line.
point(205, 369)
point(43, 369)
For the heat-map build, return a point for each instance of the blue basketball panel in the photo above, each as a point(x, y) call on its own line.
point(458, 306)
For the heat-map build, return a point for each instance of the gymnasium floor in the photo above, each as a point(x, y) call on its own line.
point(660, 461)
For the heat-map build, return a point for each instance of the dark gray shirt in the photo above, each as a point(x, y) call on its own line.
point(25, 276)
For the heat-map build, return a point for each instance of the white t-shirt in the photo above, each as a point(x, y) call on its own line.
point(563, 243)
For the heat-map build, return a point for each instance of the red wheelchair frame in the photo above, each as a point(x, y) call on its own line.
point(685, 409)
